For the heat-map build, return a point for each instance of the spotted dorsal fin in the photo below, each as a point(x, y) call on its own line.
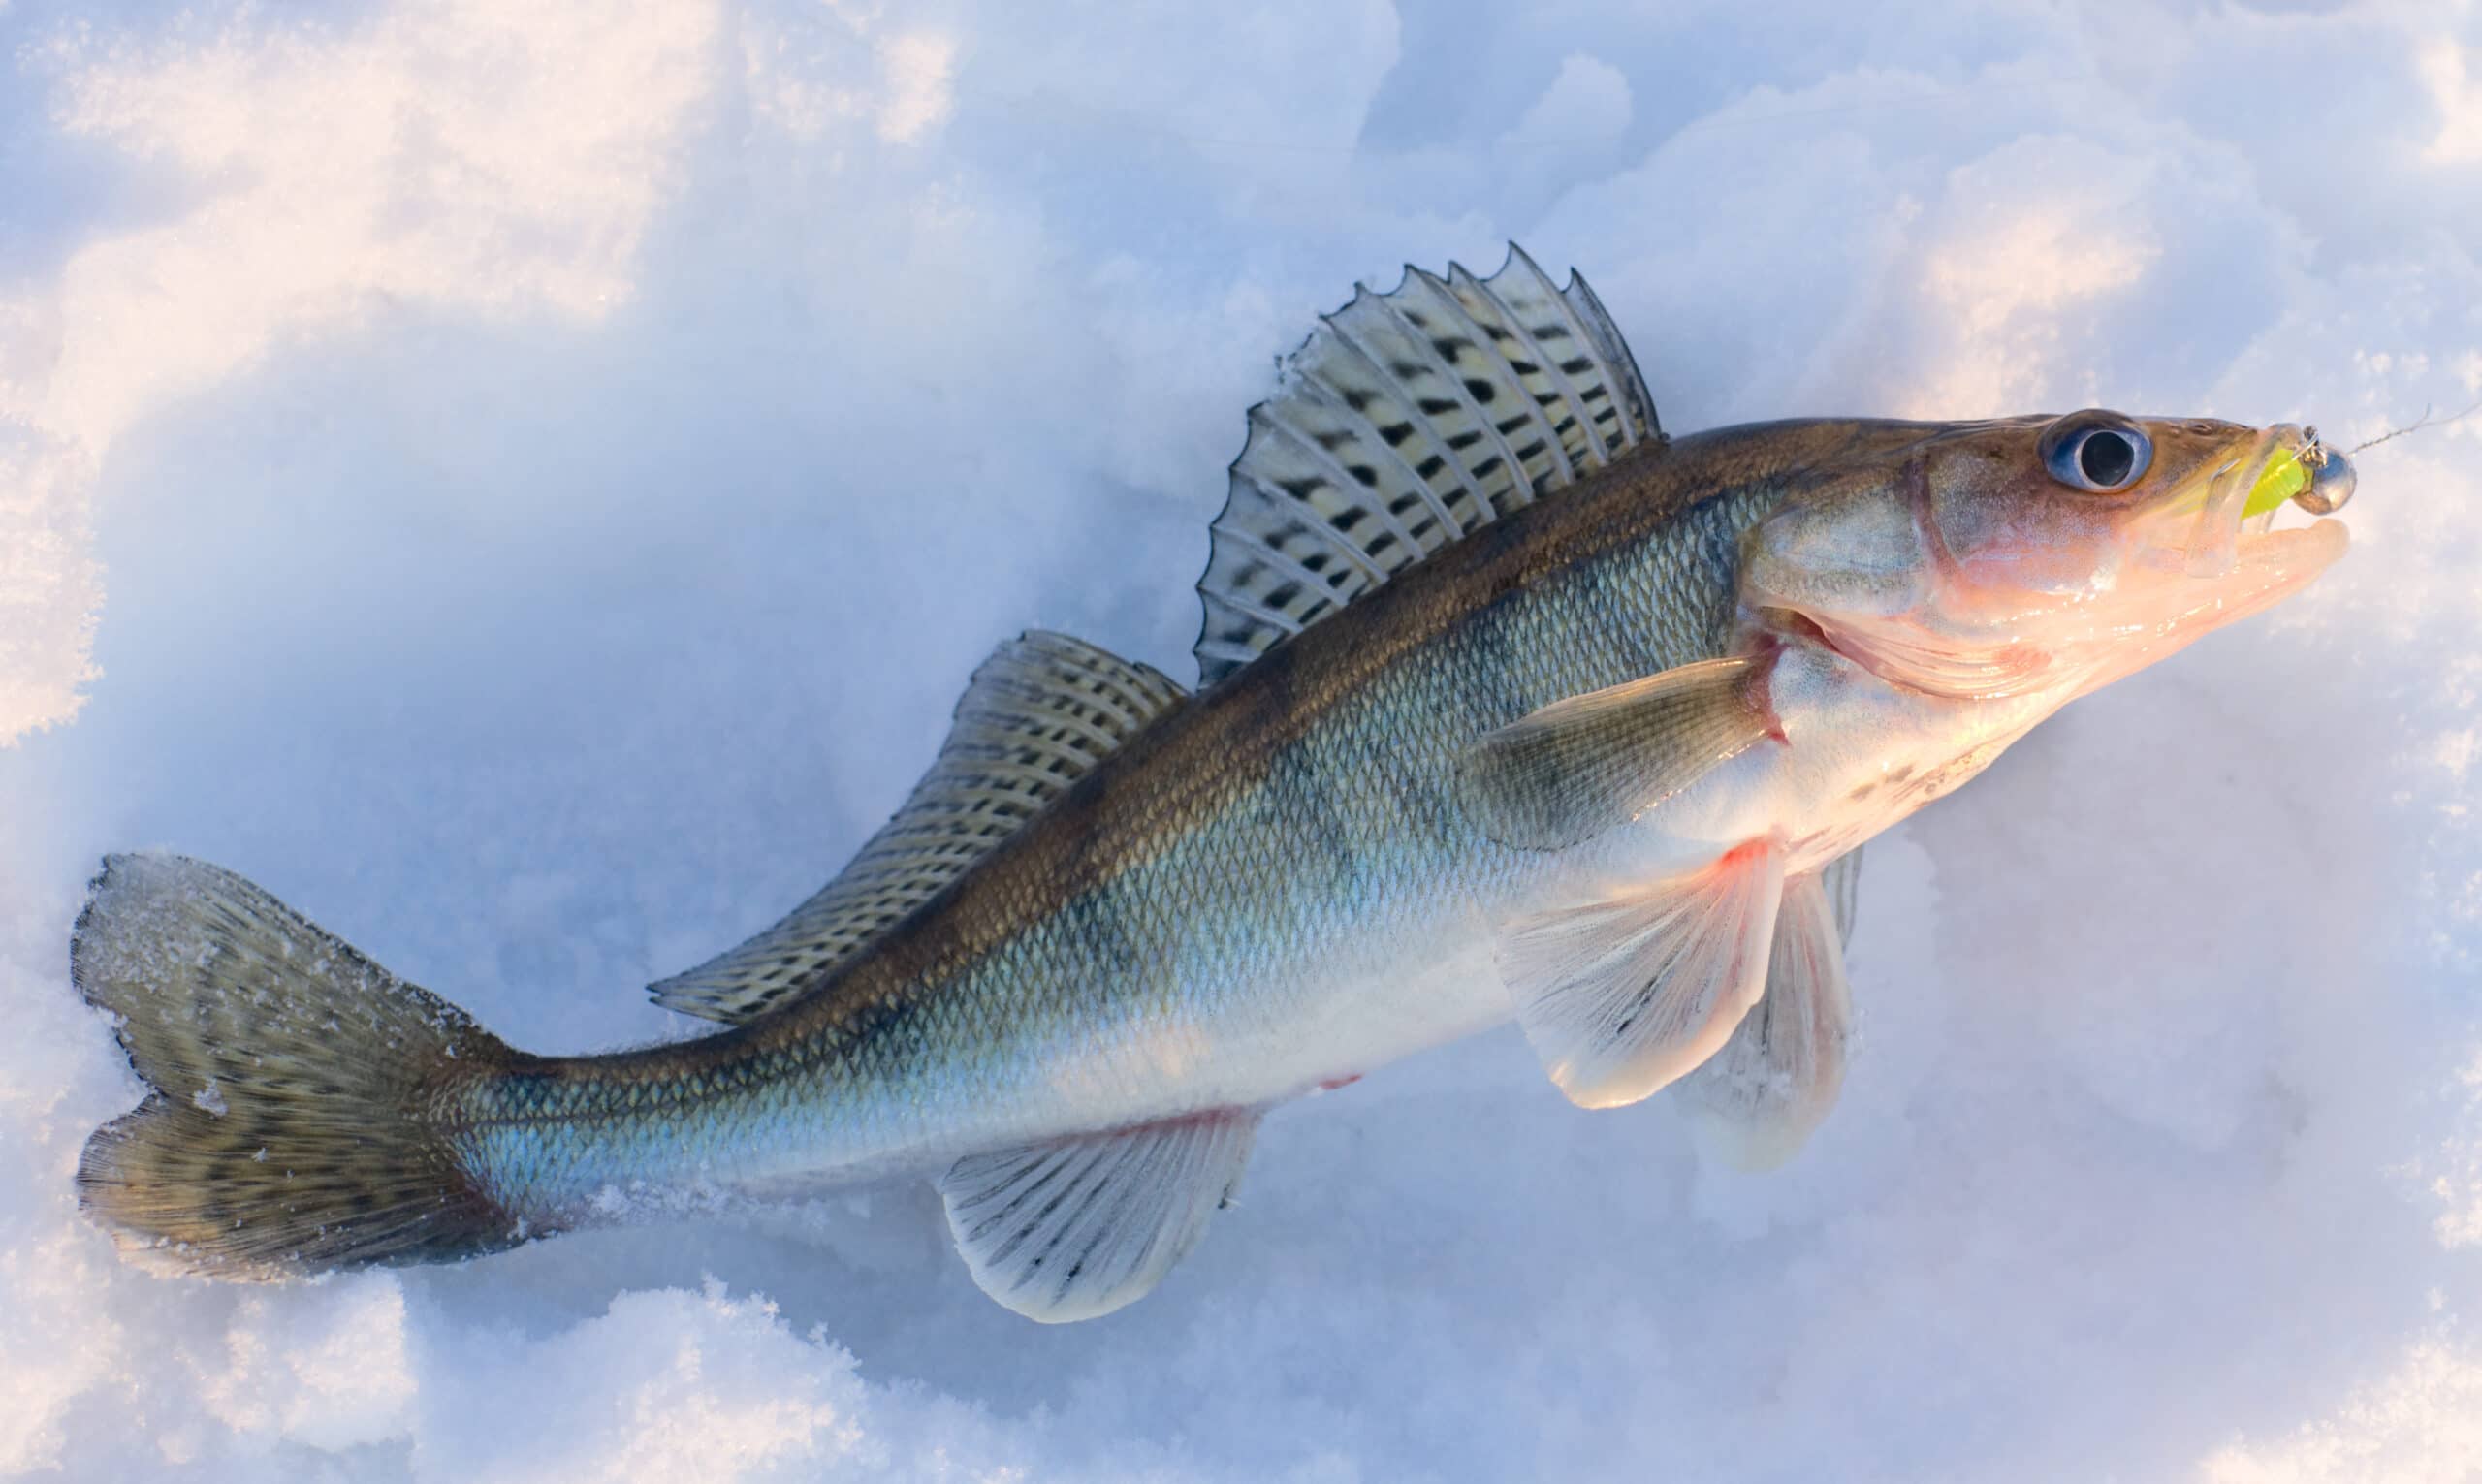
point(1407, 420)
point(1042, 711)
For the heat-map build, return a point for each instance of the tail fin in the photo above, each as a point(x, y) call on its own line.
point(299, 1094)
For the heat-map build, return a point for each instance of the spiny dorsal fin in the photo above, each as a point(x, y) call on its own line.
point(1407, 420)
point(1038, 715)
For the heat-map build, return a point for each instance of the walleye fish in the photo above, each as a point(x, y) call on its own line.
point(1510, 706)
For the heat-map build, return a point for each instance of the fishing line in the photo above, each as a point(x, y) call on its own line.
point(2418, 424)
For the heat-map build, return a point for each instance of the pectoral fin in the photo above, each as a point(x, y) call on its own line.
point(1771, 1084)
point(1076, 1228)
point(1623, 995)
point(1579, 767)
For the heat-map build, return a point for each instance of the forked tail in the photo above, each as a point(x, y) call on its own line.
point(301, 1098)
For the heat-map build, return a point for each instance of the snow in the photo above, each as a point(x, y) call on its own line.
point(553, 465)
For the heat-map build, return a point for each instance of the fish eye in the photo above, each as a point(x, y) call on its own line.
point(2098, 451)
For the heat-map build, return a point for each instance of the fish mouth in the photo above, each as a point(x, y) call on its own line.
point(2222, 520)
point(2213, 555)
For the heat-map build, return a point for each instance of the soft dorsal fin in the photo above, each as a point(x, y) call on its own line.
point(1040, 713)
point(1407, 420)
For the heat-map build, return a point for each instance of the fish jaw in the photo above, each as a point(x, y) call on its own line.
point(2084, 647)
point(2262, 570)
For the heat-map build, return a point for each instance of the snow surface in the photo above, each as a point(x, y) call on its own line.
point(554, 465)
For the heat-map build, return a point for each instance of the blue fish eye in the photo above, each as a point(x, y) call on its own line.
point(2102, 456)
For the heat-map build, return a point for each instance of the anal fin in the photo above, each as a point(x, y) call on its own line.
point(1759, 1098)
point(1076, 1228)
point(1623, 995)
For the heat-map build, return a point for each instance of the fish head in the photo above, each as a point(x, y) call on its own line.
point(2046, 554)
